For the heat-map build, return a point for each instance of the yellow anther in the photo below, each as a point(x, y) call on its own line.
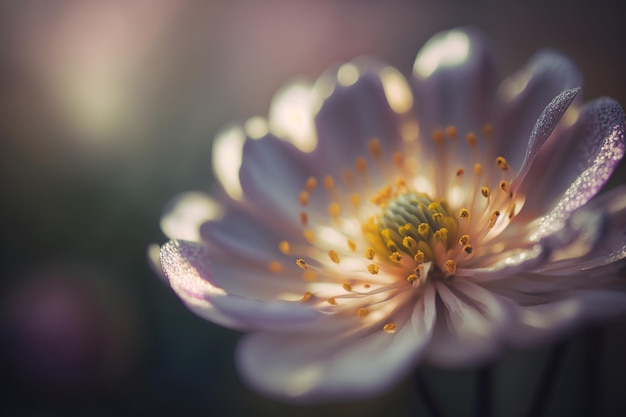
point(419, 257)
point(460, 172)
point(331, 301)
point(438, 217)
point(303, 198)
point(471, 139)
point(311, 183)
point(329, 182)
point(402, 230)
point(468, 249)
point(485, 191)
point(412, 278)
point(401, 183)
point(419, 271)
point(374, 147)
point(398, 159)
point(306, 297)
point(373, 269)
point(309, 276)
point(441, 235)
point(434, 206)
point(408, 242)
point(487, 129)
point(464, 240)
point(309, 235)
point(355, 199)
point(334, 209)
point(396, 257)
point(283, 246)
point(362, 312)
point(451, 132)
point(275, 267)
point(450, 267)
point(501, 163)
point(361, 164)
point(390, 327)
point(351, 245)
point(366, 285)
point(504, 186)
point(478, 169)
point(423, 229)
point(304, 218)
point(370, 253)
point(348, 177)
point(438, 136)
point(333, 256)
point(464, 213)
point(301, 263)
point(493, 218)
point(346, 286)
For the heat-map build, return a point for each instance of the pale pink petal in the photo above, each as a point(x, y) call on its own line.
point(471, 323)
point(522, 97)
point(455, 81)
point(353, 115)
point(272, 174)
point(587, 152)
point(305, 367)
point(188, 268)
point(543, 323)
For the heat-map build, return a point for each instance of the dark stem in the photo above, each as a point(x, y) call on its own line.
point(546, 383)
point(427, 395)
point(484, 388)
point(593, 378)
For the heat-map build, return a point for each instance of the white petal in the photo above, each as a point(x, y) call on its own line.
point(335, 366)
point(470, 325)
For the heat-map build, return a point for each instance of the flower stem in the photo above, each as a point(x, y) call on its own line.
point(546, 383)
point(427, 396)
point(483, 391)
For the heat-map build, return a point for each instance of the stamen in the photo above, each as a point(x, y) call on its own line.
point(351, 245)
point(361, 165)
point(346, 286)
point(460, 172)
point(334, 209)
point(283, 246)
point(504, 186)
point(374, 147)
point(412, 278)
point(487, 130)
point(373, 269)
point(390, 327)
point(303, 198)
point(408, 242)
point(304, 218)
point(468, 249)
point(438, 136)
point(275, 267)
point(306, 297)
point(309, 276)
point(311, 183)
point(398, 159)
point(471, 139)
point(331, 301)
point(333, 256)
point(502, 164)
point(464, 213)
point(329, 182)
point(419, 257)
point(451, 132)
point(464, 240)
point(370, 253)
point(478, 169)
point(355, 199)
point(450, 267)
point(302, 263)
point(493, 218)
point(485, 191)
point(309, 235)
point(362, 312)
point(396, 257)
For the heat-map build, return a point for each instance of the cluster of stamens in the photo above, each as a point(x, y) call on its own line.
point(405, 237)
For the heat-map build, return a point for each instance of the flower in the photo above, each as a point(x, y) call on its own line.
point(439, 218)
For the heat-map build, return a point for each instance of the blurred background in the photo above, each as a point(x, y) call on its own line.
point(108, 110)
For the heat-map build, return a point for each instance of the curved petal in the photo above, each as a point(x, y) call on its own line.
point(470, 325)
point(594, 150)
point(307, 367)
point(356, 112)
point(542, 323)
point(455, 81)
point(272, 174)
point(522, 97)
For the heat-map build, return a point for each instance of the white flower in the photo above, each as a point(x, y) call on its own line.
point(438, 218)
